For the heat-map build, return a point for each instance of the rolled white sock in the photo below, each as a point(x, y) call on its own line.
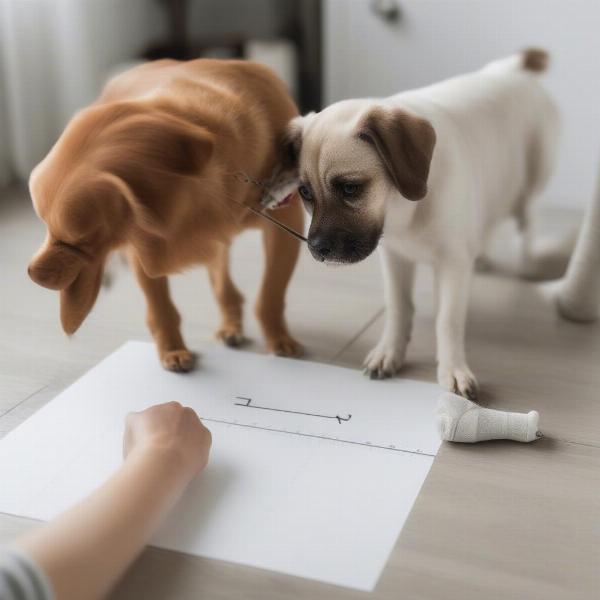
point(460, 420)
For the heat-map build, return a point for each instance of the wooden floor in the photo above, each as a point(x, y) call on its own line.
point(495, 520)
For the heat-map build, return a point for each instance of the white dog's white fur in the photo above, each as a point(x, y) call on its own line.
point(496, 135)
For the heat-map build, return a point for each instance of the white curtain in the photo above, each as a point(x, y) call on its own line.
point(54, 57)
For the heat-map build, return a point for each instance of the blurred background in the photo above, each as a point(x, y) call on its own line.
point(55, 55)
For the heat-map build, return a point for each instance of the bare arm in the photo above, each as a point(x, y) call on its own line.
point(87, 549)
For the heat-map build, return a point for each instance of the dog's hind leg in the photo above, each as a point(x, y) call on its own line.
point(281, 255)
point(524, 221)
point(398, 278)
point(541, 259)
point(229, 299)
point(163, 321)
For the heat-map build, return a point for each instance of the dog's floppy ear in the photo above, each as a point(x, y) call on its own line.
point(60, 267)
point(143, 215)
point(79, 297)
point(157, 141)
point(405, 145)
point(144, 154)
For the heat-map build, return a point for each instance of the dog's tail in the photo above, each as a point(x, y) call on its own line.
point(532, 60)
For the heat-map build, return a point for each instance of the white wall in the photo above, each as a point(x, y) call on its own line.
point(55, 57)
point(103, 35)
point(5, 171)
point(438, 38)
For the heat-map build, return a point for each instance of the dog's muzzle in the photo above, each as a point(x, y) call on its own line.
point(341, 247)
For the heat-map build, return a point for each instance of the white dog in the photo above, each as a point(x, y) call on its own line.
point(472, 150)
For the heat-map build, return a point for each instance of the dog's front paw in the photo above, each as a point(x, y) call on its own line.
point(179, 361)
point(384, 361)
point(459, 380)
point(284, 345)
point(231, 335)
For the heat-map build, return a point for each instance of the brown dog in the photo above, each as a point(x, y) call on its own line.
point(151, 165)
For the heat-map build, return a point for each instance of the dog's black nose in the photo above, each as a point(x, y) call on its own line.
point(320, 247)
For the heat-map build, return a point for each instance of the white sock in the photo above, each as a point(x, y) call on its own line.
point(460, 420)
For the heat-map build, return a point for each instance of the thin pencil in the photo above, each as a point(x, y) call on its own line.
point(276, 222)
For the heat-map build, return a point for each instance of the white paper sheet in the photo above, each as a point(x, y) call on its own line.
point(313, 469)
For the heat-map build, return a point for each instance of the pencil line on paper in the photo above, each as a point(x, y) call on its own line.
point(248, 404)
point(320, 437)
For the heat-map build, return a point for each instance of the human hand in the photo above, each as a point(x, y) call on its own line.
point(170, 430)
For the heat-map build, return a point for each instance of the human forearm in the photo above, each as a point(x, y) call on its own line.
point(86, 550)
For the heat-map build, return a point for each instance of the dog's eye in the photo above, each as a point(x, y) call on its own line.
point(350, 190)
point(305, 192)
